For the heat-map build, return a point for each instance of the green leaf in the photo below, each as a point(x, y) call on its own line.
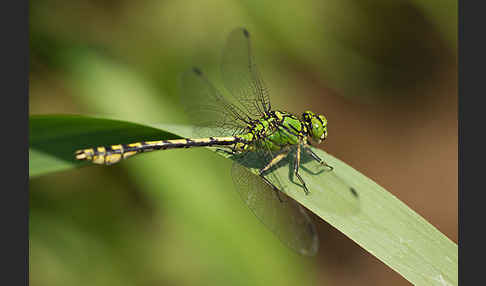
point(354, 204)
point(53, 139)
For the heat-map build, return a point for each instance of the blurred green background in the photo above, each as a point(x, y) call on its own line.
point(383, 72)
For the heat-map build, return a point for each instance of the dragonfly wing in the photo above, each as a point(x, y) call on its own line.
point(208, 110)
point(240, 74)
point(280, 213)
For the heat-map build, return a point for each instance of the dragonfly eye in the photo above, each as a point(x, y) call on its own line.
point(316, 125)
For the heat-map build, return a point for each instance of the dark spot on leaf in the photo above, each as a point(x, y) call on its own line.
point(246, 33)
point(354, 192)
point(197, 71)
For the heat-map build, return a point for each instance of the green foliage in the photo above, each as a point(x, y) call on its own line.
point(173, 218)
point(354, 204)
point(54, 138)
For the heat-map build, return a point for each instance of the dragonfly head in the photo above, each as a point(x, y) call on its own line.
point(316, 125)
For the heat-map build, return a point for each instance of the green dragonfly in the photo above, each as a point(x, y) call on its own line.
point(245, 126)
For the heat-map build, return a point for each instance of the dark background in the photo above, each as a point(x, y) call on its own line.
point(383, 72)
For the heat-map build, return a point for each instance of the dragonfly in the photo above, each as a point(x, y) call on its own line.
point(245, 126)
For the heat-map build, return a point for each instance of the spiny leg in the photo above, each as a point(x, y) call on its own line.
point(273, 162)
point(318, 159)
point(296, 169)
point(275, 189)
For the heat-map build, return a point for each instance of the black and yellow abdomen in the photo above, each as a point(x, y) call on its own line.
point(115, 153)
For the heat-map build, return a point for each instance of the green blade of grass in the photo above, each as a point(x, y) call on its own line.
point(53, 139)
point(373, 218)
point(352, 203)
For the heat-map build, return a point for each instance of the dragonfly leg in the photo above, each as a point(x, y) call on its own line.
point(275, 189)
point(275, 160)
point(318, 159)
point(296, 169)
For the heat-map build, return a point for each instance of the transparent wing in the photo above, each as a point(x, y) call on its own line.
point(240, 74)
point(207, 109)
point(280, 213)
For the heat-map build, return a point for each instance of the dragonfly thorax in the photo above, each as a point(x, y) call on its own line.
point(275, 131)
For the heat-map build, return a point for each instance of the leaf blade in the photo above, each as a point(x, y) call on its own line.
point(373, 218)
point(352, 203)
point(53, 139)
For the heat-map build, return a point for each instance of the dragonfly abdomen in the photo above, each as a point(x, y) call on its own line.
point(115, 153)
